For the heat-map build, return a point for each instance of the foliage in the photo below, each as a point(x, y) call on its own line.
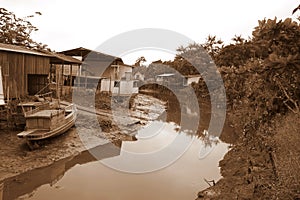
point(213, 45)
point(234, 55)
point(156, 68)
point(266, 82)
point(17, 31)
point(190, 60)
point(140, 61)
point(261, 75)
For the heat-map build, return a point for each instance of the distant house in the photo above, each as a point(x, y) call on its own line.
point(189, 79)
point(139, 73)
point(139, 76)
point(107, 73)
point(165, 79)
point(27, 72)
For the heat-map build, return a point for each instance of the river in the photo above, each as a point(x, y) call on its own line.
point(84, 177)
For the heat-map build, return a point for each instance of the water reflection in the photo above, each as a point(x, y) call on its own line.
point(29, 181)
point(181, 180)
point(93, 180)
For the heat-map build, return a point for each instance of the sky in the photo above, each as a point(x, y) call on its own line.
point(67, 24)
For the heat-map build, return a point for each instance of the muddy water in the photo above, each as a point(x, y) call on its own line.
point(83, 177)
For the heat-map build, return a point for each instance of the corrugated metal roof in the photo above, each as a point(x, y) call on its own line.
point(54, 57)
point(84, 52)
point(192, 75)
point(166, 75)
point(57, 58)
point(20, 49)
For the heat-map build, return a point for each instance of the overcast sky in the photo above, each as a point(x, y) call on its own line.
point(67, 24)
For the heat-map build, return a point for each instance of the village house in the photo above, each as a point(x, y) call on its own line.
point(107, 73)
point(174, 79)
point(63, 71)
point(165, 79)
point(139, 76)
point(24, 71)
point(28, 72)
point(139, 73)
point(189, 79)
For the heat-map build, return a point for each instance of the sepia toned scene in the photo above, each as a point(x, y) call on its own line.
point(112, 100)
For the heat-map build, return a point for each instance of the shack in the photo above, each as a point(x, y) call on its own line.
point(189, 79)
point(63, 71)
point(105, 72)
point(28, 72)
point(24, 71)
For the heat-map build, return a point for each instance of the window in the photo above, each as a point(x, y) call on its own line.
point(128, 76)
point(117, 84)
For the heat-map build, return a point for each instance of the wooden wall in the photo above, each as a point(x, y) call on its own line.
point(15, 70)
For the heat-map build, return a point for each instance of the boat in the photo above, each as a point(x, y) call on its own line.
point(43, 124)
point(42, 103)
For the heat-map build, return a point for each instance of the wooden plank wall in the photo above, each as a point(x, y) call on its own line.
point(15, 69)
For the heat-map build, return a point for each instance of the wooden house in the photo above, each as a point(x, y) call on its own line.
point(165, 79)
point(107, 73)
point(63, 70)
point(27, 72)
point(24, 71)
point(189, 79)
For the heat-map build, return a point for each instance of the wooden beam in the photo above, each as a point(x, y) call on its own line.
point(71, 75)
point(62, 79)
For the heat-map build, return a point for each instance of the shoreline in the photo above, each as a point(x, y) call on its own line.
point(258, 166)
point(16, 158)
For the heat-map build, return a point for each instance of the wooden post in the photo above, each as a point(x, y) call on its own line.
point(78, 75)
point(24, 86)
point(56, 80)
point(109, 89)
point(85, 81)
point(62, 79)
point(71, 76)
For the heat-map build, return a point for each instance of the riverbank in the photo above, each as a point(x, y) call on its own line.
point(263, 164)
point(16, 158)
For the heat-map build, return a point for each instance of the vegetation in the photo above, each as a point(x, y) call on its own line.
point(17, 31)
point(265, 78)
point(261, 75)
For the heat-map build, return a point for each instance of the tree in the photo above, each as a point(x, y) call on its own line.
point(234, 55)
point(238, 39)
point(17, 31)
point(139, 61)
point(213, 45)
point(266, 70)
point(296, 9)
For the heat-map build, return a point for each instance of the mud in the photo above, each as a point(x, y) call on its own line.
point(16, 158)
point(263, 164)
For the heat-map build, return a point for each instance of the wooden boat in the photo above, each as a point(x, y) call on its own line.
point(25, 107)
point(43, 124)
point(22, 108)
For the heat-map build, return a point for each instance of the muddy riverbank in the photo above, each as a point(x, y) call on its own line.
point(16, 158)
point(263, 164)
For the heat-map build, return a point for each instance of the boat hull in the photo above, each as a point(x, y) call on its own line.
point(38, 134)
